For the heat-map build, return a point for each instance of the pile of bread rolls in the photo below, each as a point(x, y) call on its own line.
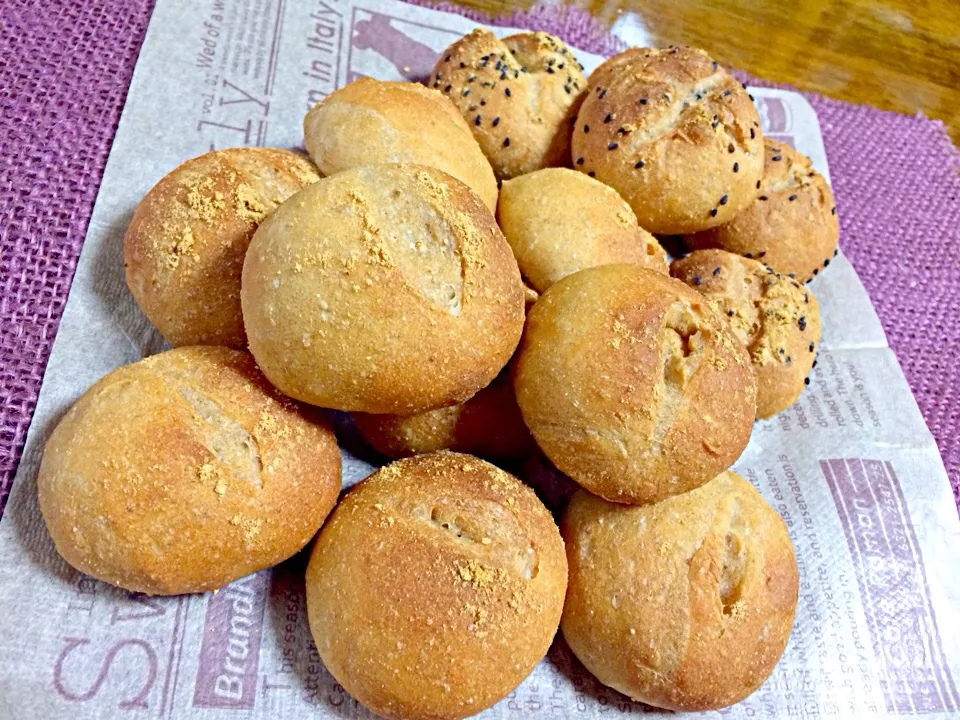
point(472, 267)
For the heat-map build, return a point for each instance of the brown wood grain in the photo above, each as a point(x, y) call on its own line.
point(893, 54)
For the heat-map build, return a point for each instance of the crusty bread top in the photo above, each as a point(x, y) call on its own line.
point(519, 96)
point(436, 586)
point(632, 385)
point(184, 247)
point(676, 135)
point(559, 221)
point(383, 288)
point(686, 604)
point(373, 121)
point(792, 225)
point(177, 473)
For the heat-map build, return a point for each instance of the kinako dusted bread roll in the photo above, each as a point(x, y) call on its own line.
point(675, 134)
point(178, 473)
point(488, 425)
point(183, 251)
point(791, 225)
point(518, 95)
point(685, 604)
point(383, 289)
point(632, 385)
point(435, 587)
point(775, 317)
point(559, 221)
point(371, 121)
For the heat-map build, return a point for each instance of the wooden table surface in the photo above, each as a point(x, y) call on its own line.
point(893, 54)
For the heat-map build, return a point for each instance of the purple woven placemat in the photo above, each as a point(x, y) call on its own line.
point(64, 73)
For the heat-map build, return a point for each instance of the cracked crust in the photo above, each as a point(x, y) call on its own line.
point(384, 289)
point(559, 221)
point(518, 95)
point(774, 316)
point(371, 121)
point(435, 587)
point(792, 223)
point(177, 473)
point(632, 385)
point(183, 251)
point(686, 604)
point(676, 135)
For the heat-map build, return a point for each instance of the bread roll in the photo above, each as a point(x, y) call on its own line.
point(559, 221)
point(775, 317)
point(792, 222)
point(383, 289)
point(436, 587)
point(370, 121)
point(488, 425)
point(632, 385)
point(677, 136)
point(686, 604)
point(519, 96)
point(177, 474)
point(183, 251)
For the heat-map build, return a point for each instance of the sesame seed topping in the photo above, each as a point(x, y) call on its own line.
point(506, 91)
point(601, 94)
point(496, 121)
point(726, 92)
point(471, 78)
point(723, 200)
point(736, 167)
point(792, 198)
point(748, 255)
point(753, 133)
point(713, 212)
point(447, 59)
point(730, 148)
point(761, 253)
point(608, 118)
point(802, 323)
point(447, 88)
point(729, 313)
point(476, 120)
point(716, 271)
point(777, 158)
point(643, 101)
point(483, 101)
point(567, 88)
point(806, 381)
point(592, 173)
point(579, 161)
point(506, 142)
point(833, 211)
point(466, 92)
point(810, 348)
point(762, 197)
point(826, 262)
point(816, 271)
point(462, 64)
point(638, 164)
point(758, 184)
point(696, 279)
point(612, 146)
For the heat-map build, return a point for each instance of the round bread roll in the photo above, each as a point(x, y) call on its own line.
point(369, 122)
point(176, 474)
point(677, 136)
point(775, 317)
point(686, 604)
point(382, 289)
point(791, 224)
point(436, 587)
point(519, 95)
point(559, 221)
point(183, 251)
point(632, 385)
point(488, 425)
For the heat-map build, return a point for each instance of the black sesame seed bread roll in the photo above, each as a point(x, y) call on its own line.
point(383, 289)
point(178, 473)
point(686, 604)
point(632, 385)
point(372, 121)
point(518, 95)
point(183, 251)
point(675, 134)
point(488, 425)
point(774, 316)
point(436, 587)
point(559, 221)
point(792, 223)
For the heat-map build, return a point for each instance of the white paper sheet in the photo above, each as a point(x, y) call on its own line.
point(851, 466)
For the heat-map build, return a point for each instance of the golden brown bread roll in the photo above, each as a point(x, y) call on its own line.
point(372, 121)
point(183, 251)
point(519, 96)
point(488, 425)
point(792, 222)
point(559, 221)
point(384, 289)
point(775, 317)
point(675, 134)
point(436, 587)
point(686, 604)
point(632, 385)
point(176, 474)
